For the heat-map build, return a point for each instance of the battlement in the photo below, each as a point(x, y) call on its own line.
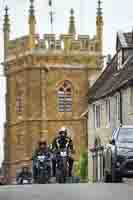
point(63, 43)
point(52, 42)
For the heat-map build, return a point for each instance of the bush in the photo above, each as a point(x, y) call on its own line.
point(77, 168)
point(83, 164)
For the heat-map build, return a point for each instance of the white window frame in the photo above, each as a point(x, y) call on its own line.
point(108, 111)
point(117, 103)
point(97, 115)
point(119, 60)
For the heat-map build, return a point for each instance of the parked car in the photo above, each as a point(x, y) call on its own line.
point(118, 155)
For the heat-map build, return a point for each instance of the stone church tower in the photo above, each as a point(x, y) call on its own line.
point(47, 86)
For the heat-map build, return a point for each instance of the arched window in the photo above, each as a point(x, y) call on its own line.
point(65, 97)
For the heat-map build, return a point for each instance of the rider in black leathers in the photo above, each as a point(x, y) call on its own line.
point(41, 150)
point(25, 174)
point(62, 141)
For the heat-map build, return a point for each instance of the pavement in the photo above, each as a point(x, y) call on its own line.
point(68, 192)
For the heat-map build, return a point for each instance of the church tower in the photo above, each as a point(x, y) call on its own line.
point(47, 87)
point(99, 27)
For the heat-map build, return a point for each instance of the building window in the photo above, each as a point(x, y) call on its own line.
point(19, 103)
point(65, 97)
point(119, 60)
point(108, 114)
point(97, 115)
point(117, 99)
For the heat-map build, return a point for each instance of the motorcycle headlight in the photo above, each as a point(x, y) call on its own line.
point(118, 164)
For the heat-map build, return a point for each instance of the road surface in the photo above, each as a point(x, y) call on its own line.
point(68, 192)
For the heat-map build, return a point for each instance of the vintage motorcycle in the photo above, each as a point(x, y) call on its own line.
point(62, 165)
point(24, 181)
point(43, 166)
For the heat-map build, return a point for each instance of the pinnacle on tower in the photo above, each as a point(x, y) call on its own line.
point(32, 24)
point(72, 29)
point(6, 30)
point(99, 27)
point(6, 20)
point(99, 9)
point(32, 19)
point(32, 11)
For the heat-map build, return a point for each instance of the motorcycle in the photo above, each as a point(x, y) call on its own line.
point(24, 181)
point(43, 166)
point(62, 166)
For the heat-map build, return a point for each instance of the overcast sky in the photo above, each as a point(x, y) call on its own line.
point(118, 15)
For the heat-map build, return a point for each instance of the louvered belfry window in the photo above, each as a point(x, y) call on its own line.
point(65, 97)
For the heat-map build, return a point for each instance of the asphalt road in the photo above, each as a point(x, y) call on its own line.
point(68, 192)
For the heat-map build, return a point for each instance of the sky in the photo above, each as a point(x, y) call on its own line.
point(118, 15)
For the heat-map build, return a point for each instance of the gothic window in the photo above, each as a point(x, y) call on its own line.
point(65, 97)
point(19, 103)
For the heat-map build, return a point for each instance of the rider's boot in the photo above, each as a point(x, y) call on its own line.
point(54, 168)
point(70, 167)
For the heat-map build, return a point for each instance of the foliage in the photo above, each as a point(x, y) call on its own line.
point(77, 168)
point(83, 163)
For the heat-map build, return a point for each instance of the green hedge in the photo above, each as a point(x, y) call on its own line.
point(83, 165)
